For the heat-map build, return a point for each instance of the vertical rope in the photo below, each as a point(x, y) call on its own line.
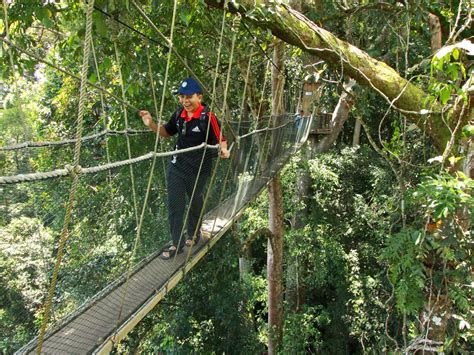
point(150, 178)
point(158, 114)
point(75, 175)
point(107, 149)
point(224, 187)
point(213, 97)
point(125, 113)
point(236, 24)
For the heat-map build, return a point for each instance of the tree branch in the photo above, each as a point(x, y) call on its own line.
point(294, 28)
point(262, 232)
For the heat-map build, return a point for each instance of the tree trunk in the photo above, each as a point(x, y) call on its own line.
point(339, 116)
point(435, 30)
point(356, 136)
point(294, 28)
point(275, 246)
point(275, 267)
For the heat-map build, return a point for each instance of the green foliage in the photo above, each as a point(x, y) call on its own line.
point(25, 261)
point(432, 255)
point(207, 312)
point(301, 331)
point(341, 238)
point(448, 68)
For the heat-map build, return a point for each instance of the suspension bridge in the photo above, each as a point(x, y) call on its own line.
point(260, 147)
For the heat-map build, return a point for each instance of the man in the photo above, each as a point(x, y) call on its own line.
point(194, 125)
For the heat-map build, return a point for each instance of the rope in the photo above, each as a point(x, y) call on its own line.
point(224, 187)
point(152, 25)
point(46, 144)
point(150, 178)
point(158, 113)
point(125, 113)
point(4, 180)
point(107, 148)
point(75, 181)
point(262, 50)
point(66, 72)
point(115, 19)
point(213, 99)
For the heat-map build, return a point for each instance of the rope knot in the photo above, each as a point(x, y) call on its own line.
point(73, 170)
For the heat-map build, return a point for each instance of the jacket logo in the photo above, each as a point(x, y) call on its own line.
point(196, 129)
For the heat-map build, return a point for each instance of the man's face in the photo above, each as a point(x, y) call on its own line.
point(190, 102)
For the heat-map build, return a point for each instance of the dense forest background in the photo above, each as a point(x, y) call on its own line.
point(376, 213)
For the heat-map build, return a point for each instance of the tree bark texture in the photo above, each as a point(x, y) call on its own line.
point(435, 30)
point(356, 136)
point(294, 28)
point(275, 267)
point(275, 245)
point(339, 116)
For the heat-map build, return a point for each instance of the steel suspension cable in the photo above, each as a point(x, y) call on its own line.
point(75, 177)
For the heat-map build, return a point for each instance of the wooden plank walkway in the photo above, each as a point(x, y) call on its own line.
point(97, 325)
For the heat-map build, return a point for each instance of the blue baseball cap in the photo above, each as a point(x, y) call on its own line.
point(189, 86)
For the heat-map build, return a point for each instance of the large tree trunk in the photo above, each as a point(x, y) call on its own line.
point(294, 28)
point(275, 246)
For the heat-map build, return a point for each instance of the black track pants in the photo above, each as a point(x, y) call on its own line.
point(180, 190)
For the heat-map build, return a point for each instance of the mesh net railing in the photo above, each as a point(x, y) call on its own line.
point(117, 219)
point(104, 228)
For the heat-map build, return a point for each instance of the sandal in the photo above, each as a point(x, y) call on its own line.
point(168, 253)
point(193, 241)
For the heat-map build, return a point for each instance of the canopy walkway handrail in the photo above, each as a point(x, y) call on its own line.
point(5, 180)
point(46, 144)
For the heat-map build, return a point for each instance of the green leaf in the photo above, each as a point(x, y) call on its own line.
point(106, 64)
point(456, 53)
point(468, 131)
point(93, 78)
point(100, 24)
point(439, 64)
point(47, 22)
point(445, 94)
